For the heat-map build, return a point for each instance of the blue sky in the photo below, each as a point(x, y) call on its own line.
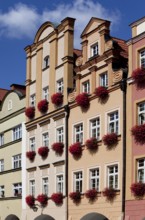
point(19, 21)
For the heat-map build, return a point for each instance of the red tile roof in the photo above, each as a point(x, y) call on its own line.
point(3, 93)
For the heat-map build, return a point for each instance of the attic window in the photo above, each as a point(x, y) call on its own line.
point(46, 62)
point(94, 49)
point(9, 105)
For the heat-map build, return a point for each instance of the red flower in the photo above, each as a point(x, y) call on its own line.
point(43, 151)
point(83, 100)
point(91, 143)
point(110, 139)
point(43, 106)
point(138, 132)
point(75, 196)
point(57, 198)
point(138, 189)
point(101, 92)
point(109, 193)
point(138, 75)
point(58, 147)
point(57, 98)
point(30, 112)
point(31, 155)
point(76, 149)
point(91, 194)
point(30, 200)
point(43, 199)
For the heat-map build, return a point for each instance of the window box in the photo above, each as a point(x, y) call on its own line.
point(109, 193)
point(43, 151)
point(57, 99)
point(92, 144)
point(30, 112)
point(139, 76)
point(138, 189)
point(43, 106)
point(57, 198)
point(138, 132)
point(58, 147)
point(30, 200)
point(110, 140)
point(83, 100)
point(101, 92)
point(75, 197)
point(42, 199)
point(31, 155)
point(91, 194)
point(76, 149)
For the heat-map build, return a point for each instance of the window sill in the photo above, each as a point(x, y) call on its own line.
point(45, 68)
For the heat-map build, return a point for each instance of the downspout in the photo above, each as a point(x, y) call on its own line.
point(67, 110)
point(123, 87)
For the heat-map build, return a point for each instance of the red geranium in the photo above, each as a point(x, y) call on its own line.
point(76, 149)
point(92, 143)
point(30, 200)
point(43, 151)
point(91, 194)
point(57, 198)
point(43, 106)
point(31, 155)
point(109, 193)
point(83, 100)
point(57, 98)
point(138, 75)
point(75, 196)
point(138, 132)
point(110, 139)
point(30, 112)
point(58, 147)
point(101, 92)
point(138, 189)
point(43, 199)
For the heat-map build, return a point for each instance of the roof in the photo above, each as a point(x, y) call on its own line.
point(137, 22)
point(44, 217)
point(12, 217)
point(94, 216)
point(3, 93)
point(123, 46)
point(77, 52)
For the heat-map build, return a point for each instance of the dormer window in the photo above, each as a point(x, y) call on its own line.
point(33, 100)
point(60, 85)
point(46, 62)
point(94, 49)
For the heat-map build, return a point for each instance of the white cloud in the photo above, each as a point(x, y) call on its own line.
point(22, 21)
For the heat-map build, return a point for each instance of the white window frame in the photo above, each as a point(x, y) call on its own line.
point(17, 132)
point(78, 180)
point(32, 187)
point(2, 191)
point(141, 113)
point(60, 85)
point(32, 144)
point(78, 135)
point(45, 185)
point(16, 161)
point(96, 178)
point(45, 139)
point(113, 124)
point(104, 79)
point(114, 174)
point(10, 105)
point(1, 165)
point(86, 86)
point(60, 134)
point(96, 129)
point(60, 183)
point(94, 49)
point(17, 189)
point(46, 93)
point(142, 58)
point(32, 100)
point(141, 169)
point(1, 139)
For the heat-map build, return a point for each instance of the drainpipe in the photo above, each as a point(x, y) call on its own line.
point(67, 110)
point(123, 87)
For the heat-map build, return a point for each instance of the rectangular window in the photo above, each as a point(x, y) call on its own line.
point(86, 87)
point(142, 58)
point(17, 132)
point(59, 135)
point(78, 133)
point(94, 179)
point(2, 191)
point(33, 100)
point(32, 187)
point(46, 93)
point(112, 173)
point(17, 189)
point(78, 181)
point(45, 139)
point(95, 128)
point(1, 139)
point(141, 170)
point(60, 85)
point(1, 165)
point(94, 49)
point(45, 185)
point(141, 113)
point(45, 62)
point(17, 161)
point(32, 144)
point(113, 122)
point(59, 183)
point(104, 79)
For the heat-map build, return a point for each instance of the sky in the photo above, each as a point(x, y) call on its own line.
point(20, 20)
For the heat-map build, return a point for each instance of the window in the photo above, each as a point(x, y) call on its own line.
point(142, 58)
point(45, 139)
point(113, 176)
point(86, 87)
point(32, 187)
point(17, 189)
point(1, 139)
point(141, 113)
point(33, 100)
point(1, 165)
point(78, 133)
point(2, 191)
point(32, 144)
point(46, 93)
point(141, 170)
point(104, 79)
point(60, 85)
point(94, 49)
point(17, 161)
point(95, 128)
point(94, 179)
point(59, 183)
point(45, 185)
point(78, 181)
point(46, 62)
point(17, 132)
point(59, 134)
point(9, 105)
point(113, 122)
